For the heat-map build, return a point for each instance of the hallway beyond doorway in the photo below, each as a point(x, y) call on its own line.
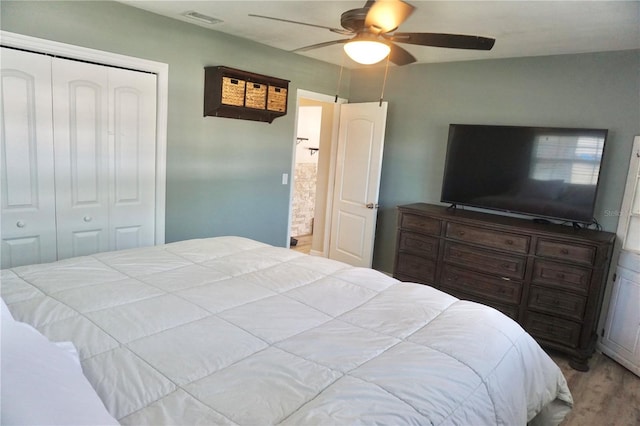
point(303, 243)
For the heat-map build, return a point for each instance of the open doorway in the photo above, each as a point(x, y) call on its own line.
point(305, 176)
point(313, 169)
point(347, 177)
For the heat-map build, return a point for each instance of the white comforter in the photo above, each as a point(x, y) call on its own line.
point(232, 331)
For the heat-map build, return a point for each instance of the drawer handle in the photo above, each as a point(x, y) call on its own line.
point(556, 302)
point(505, 266)
point(461, 233)
point(21, 224)
point(564, 251)
point(560, 275)
point(509, 242)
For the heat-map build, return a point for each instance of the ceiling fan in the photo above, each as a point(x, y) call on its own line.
point(373, 30)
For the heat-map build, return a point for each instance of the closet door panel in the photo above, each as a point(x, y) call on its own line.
point(26, 166)
point(132, 104)
point(80, 99)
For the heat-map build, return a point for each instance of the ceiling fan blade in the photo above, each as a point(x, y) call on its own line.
point(453, 41)
point(400, 56)
point(334, 30)
point(318, 45)
point(387, 15)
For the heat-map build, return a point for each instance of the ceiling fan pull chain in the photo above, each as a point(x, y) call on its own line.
point(384, 82)
point(339, 81)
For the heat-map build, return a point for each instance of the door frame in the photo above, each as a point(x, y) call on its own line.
point(38, 45)
point(320, 97)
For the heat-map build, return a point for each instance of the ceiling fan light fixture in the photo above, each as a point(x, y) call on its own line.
point(367, 52)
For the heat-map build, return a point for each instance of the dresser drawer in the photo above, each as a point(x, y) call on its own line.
point(414, 266)
point(489, 238)
point(511, 311)
point(564, 251)
point(485, 261)
point(553, 329)
point(481, 285)
point(561, 275)
point(557, 302)
point(419, 223)
point(419, 244)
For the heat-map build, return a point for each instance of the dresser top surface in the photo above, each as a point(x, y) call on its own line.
point(513, 223)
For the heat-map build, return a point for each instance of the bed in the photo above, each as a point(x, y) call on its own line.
point(228, 330)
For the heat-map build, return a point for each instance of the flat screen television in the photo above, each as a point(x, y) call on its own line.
point(544, 172)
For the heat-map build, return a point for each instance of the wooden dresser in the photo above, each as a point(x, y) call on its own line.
point(549, 278)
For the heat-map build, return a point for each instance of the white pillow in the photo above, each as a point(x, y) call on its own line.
point(42, 383)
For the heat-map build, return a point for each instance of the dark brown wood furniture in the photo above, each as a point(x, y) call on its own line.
point(550, 278)
point(233, 93)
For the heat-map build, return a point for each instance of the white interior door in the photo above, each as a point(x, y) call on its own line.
point(105, 146)
point(28, 228)
point(621, 340)
point(132, 145)
point(108, 158)
point(80, 113)
point(357, 183)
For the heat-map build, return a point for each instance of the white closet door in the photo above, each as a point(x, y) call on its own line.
point(132, 141)
point(80, 115)
point(27, 170)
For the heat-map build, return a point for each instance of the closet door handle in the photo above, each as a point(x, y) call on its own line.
point(87, 218)
point(21, 224)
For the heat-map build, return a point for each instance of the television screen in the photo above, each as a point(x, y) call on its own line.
point(537, 171)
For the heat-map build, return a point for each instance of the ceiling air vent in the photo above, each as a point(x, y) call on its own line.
point(204, 19)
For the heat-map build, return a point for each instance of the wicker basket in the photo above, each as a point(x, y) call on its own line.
point(277, 99)
point(233, 91)
point(256, 96)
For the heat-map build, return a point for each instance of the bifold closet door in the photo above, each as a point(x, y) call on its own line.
point(77, 158)
point(132, 144)
point(80, 125)
point(28, 226)
point(104, 132)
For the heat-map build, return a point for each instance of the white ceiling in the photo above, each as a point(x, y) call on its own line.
point(521, 28)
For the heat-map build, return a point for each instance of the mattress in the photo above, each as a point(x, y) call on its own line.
point(229, 330)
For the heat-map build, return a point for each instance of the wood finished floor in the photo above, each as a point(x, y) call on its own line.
point(304, 244)
point(607, 395)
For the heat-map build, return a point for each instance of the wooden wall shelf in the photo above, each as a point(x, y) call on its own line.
point(244, 95)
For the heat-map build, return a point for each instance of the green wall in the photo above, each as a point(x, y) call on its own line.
point(224, 176)
point(599, 90)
